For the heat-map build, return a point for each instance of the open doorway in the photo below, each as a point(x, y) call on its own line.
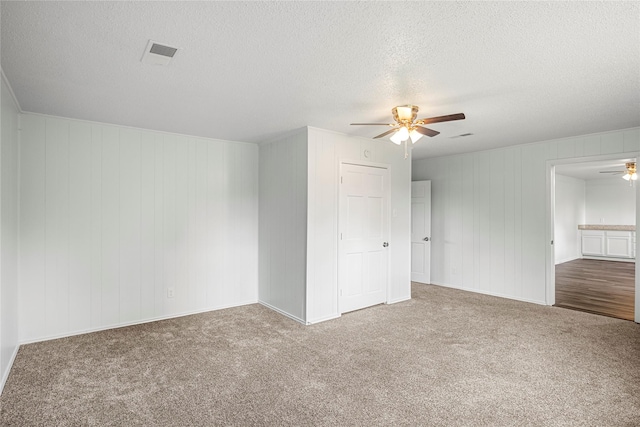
point(594, 237)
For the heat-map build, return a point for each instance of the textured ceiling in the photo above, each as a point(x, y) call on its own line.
point(250, 71)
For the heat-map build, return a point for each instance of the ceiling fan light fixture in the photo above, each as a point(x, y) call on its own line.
point(401, 135)
point(395, 138)
point(405, 113)
point(415, 136)
point(407, 127)
point(631, 174)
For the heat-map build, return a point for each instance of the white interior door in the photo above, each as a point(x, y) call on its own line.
point(421, 231)
point(364, 235)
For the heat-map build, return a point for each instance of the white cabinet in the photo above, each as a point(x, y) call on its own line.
point(593, 242)
point(618, 244)
point(609, 243)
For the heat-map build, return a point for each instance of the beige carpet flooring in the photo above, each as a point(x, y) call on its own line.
point(446, 357)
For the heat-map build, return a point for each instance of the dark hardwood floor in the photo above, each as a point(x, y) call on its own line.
point(600, 287)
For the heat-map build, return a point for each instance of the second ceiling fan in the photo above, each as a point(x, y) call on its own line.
point(629, 173)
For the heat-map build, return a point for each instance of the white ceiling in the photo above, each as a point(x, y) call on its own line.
point(251, 71)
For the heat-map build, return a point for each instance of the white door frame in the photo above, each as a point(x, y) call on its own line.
point(386, 166)
point(550, 207)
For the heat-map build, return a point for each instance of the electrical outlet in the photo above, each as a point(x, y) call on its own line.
point(171, 292)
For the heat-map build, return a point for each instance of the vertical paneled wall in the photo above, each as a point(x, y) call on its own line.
point(114, 220)
point(489, 212)
point(8, 231)
point(283, 224)
point(326, 151)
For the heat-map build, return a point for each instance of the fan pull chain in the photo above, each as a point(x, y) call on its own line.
point(406, 152)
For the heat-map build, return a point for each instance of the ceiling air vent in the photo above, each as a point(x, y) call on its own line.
point(158, 54)
point(461, 135)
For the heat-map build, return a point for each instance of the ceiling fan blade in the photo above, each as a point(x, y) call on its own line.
point(373, 124)
point(427, 131)
point(613, 171)
point(440, 119)
point(386, 133)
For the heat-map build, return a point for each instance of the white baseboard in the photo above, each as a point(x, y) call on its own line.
point(323, 319)
point(338, 315)
point(397, 300)
point(493, 294)
point(6, 373)
point(601, 258)
point(562, 261)
point(284, 313)
point(136, 322)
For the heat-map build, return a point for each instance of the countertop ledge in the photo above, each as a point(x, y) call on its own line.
point(607, 227)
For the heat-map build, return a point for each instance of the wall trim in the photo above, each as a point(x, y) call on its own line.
point(362, 138)
point(6, 373)
point(572, 258)
point(324, 319)
point(136, 322)
point(397, 300)
point(93, 122)
point(5, 376)
point(284, 313)
point(283, 136)
point(13, 95)
point(534, 143)
point(493, 294)
point(612, 259)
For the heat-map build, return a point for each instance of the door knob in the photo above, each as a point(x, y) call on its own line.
point(385, 244)
point(426, 239)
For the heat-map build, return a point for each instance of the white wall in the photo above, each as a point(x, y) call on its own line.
point(326, 151)
point(111, 217)
point(489, 225)
point(299, 220)
point(283, 224)
point(610, 201)
point(569, 213)
point(8, 231)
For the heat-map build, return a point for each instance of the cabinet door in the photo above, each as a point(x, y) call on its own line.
point(593, 243)
point(618, 244)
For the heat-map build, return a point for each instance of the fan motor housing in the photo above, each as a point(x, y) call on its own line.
point(405, 113)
